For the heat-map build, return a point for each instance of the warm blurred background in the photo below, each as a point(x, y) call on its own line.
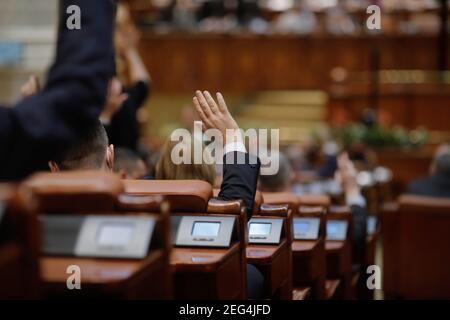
point(310, 68)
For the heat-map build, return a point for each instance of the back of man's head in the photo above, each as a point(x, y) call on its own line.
point(88, 152)
point(281, 180)
point(128, 164)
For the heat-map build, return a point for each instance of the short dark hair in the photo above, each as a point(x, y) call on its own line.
point(87, 152)
point(125, 159)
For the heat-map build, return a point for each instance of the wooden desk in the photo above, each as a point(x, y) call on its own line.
point(19, 244)
point(272, 261)
point(309, 266)
point(339, 253)
point(309, 260)
point(207, 273)
point(125, 279)
point(338, 258)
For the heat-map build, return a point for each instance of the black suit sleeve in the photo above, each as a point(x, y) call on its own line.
point(124, 128)
point(240, 178)
point(360, 215)
point(40, 126)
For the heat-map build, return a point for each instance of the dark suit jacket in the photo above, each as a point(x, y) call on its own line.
point(39, 127)
point(240, 180)
point(360, 215)
point(433, 186)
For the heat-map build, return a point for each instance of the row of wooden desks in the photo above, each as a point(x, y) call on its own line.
point(199, 253)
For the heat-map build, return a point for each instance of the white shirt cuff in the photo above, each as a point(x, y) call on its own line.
point(236, 146)
point(355, 199)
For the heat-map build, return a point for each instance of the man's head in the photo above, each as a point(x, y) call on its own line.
point(89, 152)
point(280, 181)
point(128, 164)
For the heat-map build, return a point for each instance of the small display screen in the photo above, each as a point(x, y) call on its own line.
point(332, 228)
point(260, 229)
point(336, 230)
point(115, 234)
point(301, 227)
point(206, 229)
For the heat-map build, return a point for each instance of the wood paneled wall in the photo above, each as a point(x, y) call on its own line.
point(246, 63)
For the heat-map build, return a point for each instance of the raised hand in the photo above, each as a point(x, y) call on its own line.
point(346, 174)
point(114, 100)
point(215, 115)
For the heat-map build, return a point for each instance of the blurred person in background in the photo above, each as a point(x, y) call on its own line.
point(166, 169)
point(346, 175)
point(437, 184)
point(120, 115)
point(297, 20)
point(282, 180)
point(129, 165)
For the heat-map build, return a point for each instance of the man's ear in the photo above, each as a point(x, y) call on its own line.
point(110, 157)
point(53, 166)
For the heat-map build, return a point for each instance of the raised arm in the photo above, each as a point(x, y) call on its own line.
point(72, 99)
point(239, 177)
point(346, 175)
point(127, 39)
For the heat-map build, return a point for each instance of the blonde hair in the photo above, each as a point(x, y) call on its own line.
point(167, 170)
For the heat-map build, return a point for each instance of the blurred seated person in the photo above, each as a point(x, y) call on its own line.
point(91, 151)
point(296, 21)
point(120, 115)
point(437, 184)
point(183, 14)
point(329, 166)
point(166, 169)
point(281, 181)
point(211, 9)
point(128, 164)
point(339, 22)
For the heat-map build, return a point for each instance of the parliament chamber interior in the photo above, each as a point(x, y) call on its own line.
point(118, 177)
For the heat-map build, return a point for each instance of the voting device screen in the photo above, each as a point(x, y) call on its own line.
point(259, 229)
point(115, 234)
point(337, 230)
point(306, 228)
point(206, 229)
point(264, 231)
